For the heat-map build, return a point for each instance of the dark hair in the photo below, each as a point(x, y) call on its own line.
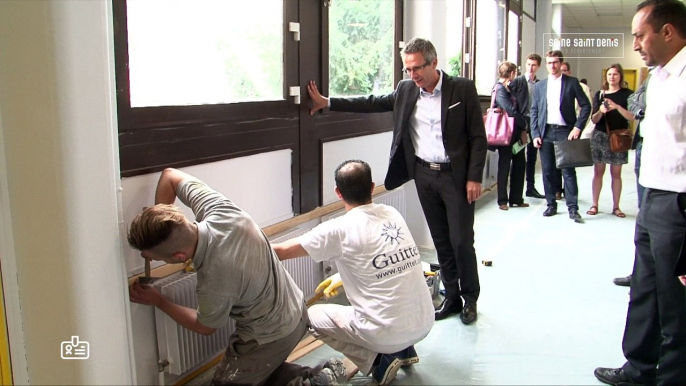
point(569, 66)
point(506, 68)
point(584, 81)
point(535, 57)
point(354, 182)
point(423, 46)
point(622, 82)
point(153, 226)
point(665, 12)
point(555, 54)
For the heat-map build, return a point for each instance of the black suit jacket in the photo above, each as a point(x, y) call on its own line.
point(680, 267)
point(519, 88)
point(464, 136)
point(571, 91)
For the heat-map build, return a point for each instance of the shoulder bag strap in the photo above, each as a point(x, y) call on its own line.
point(607, 126)
point(493, 95)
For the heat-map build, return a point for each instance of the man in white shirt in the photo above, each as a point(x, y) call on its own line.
point(554, 118)
point(654, 342)
point(379, 264)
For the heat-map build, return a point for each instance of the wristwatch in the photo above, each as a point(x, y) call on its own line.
point(639, 115)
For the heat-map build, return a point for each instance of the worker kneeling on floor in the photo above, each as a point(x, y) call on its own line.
point(391, 307)
point(239, 278)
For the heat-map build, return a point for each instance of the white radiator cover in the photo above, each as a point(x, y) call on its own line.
point(185, 350)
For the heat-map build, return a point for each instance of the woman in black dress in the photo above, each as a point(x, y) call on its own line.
point(609, 112)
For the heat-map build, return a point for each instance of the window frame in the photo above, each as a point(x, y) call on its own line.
point(153, 138)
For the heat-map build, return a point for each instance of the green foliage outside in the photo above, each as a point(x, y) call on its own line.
point(361, 47)
point(455, 65)
point(255, 72)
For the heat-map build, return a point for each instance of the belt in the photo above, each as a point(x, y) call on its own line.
point(434, 165)
point(556, 126)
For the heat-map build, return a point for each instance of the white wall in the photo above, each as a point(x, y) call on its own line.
point(60, 166)
point(591, 69)
point(373, 149)
point(268, 199)
point(544, 24)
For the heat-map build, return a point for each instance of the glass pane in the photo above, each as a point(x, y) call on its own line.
point(490, 43)
point(513, 38)
point(361, 47)
point(190, 52)
point(453, 40)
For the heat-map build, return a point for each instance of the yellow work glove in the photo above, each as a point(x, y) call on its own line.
point(426, 267)
point(330, 286)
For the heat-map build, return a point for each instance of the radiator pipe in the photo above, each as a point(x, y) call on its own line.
point(161, 365)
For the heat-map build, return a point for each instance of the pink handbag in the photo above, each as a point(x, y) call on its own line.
point(499, 126)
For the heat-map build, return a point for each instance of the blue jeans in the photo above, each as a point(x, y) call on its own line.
point(547, 153)
point(637, 170)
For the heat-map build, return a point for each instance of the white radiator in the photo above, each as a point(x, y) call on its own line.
point(306, 273)
point(183, 349)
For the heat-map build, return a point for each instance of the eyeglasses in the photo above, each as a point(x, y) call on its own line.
point(409, 71)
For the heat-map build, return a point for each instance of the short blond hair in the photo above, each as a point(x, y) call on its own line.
point(154, 225)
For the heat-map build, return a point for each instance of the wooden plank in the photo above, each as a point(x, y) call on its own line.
point(350, 368)
point(295, 355)
point(308, 339)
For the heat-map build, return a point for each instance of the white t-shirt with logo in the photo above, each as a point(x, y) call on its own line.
point(381, 272)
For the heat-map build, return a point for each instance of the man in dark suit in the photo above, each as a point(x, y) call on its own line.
point(439, 140)
point(523, 90)
point(553, 118)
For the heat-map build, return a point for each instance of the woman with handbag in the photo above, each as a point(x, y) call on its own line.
point(609, 140)
point(509, 164)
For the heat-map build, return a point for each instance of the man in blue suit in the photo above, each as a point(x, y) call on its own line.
point(553, 118)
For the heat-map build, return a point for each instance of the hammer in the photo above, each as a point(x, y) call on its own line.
point(146, 279)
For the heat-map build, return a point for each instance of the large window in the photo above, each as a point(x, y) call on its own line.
point(490, 43)
point(204, 81)
point(185, 52)
point(513, 38)
point(361, 50)
point(453, 42)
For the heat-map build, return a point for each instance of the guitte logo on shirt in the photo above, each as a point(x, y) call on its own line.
point(393, 233)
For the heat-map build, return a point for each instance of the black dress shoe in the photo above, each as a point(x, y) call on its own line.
point(574, 215)
point(623, 281)
point(615, 377)
point(448, 308)
point(534, 193)
point(551, 211)
point(468, 315)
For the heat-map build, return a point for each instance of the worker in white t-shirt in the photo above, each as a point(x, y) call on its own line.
point(379, 263)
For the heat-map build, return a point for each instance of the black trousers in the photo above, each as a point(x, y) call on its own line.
point(549, 170)
point(512, 167)
point(451, 223)
point(531, 156)
point(654, 342)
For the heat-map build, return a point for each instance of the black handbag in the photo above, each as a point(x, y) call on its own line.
point(573, 154)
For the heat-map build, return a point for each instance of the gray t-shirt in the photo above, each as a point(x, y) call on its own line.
point(239, 275)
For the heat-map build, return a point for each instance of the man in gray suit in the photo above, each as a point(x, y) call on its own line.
point(439, 141)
